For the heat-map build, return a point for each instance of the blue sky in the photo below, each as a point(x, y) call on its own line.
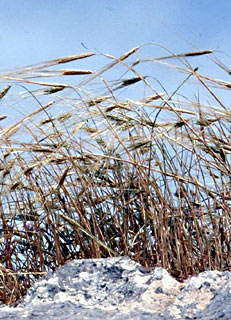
point(36, 30)
point(33, 31)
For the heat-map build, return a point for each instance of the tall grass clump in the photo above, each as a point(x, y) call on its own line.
point(133, 159)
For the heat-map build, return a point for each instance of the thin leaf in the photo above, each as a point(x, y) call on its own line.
point(77, 225)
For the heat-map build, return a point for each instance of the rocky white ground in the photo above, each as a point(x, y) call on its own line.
point(120, 289)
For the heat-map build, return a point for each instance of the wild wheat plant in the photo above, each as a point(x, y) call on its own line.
point(115, 163)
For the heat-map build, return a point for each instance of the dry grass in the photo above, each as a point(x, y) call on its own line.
point(104, 168)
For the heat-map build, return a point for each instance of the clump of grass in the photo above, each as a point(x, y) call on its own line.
point(103, 167)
